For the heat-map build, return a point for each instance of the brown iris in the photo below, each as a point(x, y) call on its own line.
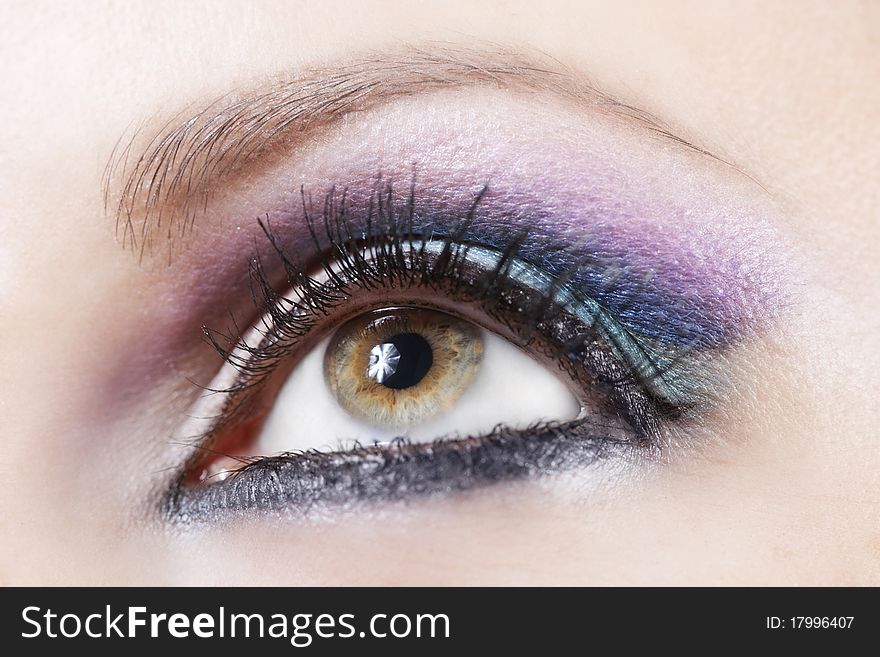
point(400, 366)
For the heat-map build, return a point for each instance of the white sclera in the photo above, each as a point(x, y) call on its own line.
point(511, 388)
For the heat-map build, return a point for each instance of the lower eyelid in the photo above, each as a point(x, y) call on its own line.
point(306, 483)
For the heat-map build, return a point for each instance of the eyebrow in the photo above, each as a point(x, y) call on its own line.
point(171, 181)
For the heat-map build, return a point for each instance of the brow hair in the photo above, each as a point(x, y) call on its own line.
point(184, 160)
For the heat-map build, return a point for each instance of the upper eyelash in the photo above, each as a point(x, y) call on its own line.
point(388, 249)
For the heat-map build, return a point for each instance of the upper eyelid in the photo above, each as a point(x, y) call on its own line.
point(186, 159)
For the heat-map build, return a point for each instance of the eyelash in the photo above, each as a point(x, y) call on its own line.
point(391, 253)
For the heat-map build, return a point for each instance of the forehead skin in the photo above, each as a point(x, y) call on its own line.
point(788, 93)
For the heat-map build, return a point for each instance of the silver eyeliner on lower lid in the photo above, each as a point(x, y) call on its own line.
point(630, 385)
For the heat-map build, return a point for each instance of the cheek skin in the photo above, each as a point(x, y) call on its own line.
point(666, 530)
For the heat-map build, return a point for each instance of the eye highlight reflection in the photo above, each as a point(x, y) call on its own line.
point(401, 366)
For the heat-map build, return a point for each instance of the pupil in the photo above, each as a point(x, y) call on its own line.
point(401, 361)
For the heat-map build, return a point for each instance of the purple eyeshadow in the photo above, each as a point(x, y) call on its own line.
point(676, 287)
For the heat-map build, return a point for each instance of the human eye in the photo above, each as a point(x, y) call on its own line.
point(419, 321)
point(407, 357)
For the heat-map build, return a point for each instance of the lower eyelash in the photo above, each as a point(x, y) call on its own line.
point(301, 482)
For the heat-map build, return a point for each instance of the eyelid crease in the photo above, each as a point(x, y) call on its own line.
point(172, 180)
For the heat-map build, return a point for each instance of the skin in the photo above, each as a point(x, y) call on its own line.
point(780, 491)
